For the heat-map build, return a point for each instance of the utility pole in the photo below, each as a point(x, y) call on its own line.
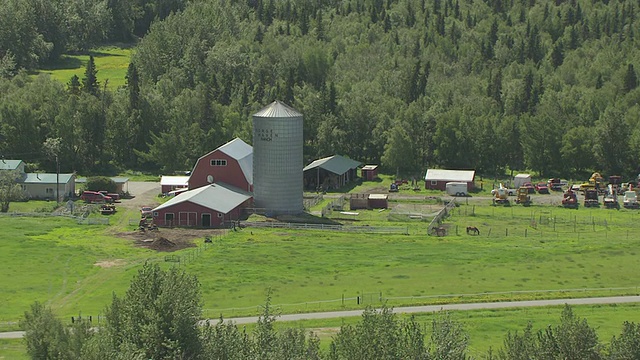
point(57, 180)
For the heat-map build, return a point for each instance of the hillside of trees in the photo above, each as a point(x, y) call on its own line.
point(548, 86)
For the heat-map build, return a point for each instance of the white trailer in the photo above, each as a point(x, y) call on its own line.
point(520, 179)
point(457, 189)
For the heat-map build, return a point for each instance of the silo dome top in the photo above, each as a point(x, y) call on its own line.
point(277, 109)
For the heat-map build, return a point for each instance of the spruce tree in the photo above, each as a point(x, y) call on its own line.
point(630, 79)
point(90, 81)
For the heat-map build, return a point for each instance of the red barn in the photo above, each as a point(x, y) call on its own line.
point(207, 206)
point(231, 163)
point(437, 179)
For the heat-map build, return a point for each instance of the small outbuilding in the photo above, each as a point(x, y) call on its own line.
point(437, 179)
point(378, 201)
point(171, 183)
point(207, 206)
point(330, 172)
point(369, 172)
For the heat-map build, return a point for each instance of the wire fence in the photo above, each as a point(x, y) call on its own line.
point(361, 300)
point(330, 227)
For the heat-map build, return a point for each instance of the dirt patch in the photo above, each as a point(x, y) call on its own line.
point(110, 263)
point(168, 240)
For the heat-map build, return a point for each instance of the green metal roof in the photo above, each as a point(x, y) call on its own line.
point(9, 164)
point(335, 164)
point(46, 178)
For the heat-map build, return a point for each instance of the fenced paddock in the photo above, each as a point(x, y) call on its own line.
point(414, 211)
point(328, 227)
point(546, 222)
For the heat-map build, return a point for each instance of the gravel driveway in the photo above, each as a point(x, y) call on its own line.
point(143, 192)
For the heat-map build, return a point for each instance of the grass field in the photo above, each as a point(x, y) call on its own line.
point(522, 253)
point(111, 63)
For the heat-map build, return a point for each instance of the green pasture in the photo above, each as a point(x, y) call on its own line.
point(522, 253)
point(487, 328)
point(111, 62)
point(13, 349)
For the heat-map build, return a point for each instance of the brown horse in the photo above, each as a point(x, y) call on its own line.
point(472, 230)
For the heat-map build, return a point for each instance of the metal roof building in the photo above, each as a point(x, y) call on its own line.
point(206, 206)
point(11, 165)
point(437, 179)
point(330, 172)
point(169, 183)
point(277, 159)
point(231, 163)
point(43, 185)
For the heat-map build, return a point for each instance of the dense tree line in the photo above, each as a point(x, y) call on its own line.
point(158, 318)
point(549, 86)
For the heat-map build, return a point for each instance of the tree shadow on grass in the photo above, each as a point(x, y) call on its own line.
point(64, 63)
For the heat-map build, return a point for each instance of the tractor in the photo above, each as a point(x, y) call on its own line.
point(570, 199)
point(522, 196)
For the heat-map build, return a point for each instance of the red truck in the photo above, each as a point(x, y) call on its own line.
point(95, 197)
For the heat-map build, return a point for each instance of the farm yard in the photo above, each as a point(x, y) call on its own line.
point(540, 251)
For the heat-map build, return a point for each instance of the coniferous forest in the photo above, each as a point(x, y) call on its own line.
point(493, 85)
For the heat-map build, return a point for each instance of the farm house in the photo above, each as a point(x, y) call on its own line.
point(207, 206)
point(231, 163)
point(330, 172)
point(437, 179)
point(41, 185)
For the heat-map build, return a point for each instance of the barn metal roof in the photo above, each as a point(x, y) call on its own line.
point(277, 109)
point(240, 151)
point(174, 180)
point(46, 178)
point(219, 197)
point(450, 175)
point(9, 164)
point(335, 164)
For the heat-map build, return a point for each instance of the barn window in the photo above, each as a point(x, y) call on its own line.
point(218, 162)
point(434, 182)
point(219, 215)
point(49, 190)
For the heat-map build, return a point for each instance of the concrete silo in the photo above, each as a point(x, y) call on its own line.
point(277, 159)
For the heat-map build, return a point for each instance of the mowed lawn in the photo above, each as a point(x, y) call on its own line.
point(111, 62)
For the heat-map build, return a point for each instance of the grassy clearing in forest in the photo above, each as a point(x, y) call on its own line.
point(111, 62)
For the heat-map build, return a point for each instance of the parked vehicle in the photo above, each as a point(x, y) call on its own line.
point(457, 188)
point(630, 200)
point(114, 196)
point(591, 198)
point(530, 188)
point(542, 188)
point(520, 179)
point(146, 211)
point(95, 197)
point(500, 196)
point(555, 184)
point(522, 197)
point(610, 198)
point(570, 199)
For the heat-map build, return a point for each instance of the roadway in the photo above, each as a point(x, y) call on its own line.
point(418, 309)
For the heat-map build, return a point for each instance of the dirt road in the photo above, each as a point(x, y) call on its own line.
point(143, 192)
